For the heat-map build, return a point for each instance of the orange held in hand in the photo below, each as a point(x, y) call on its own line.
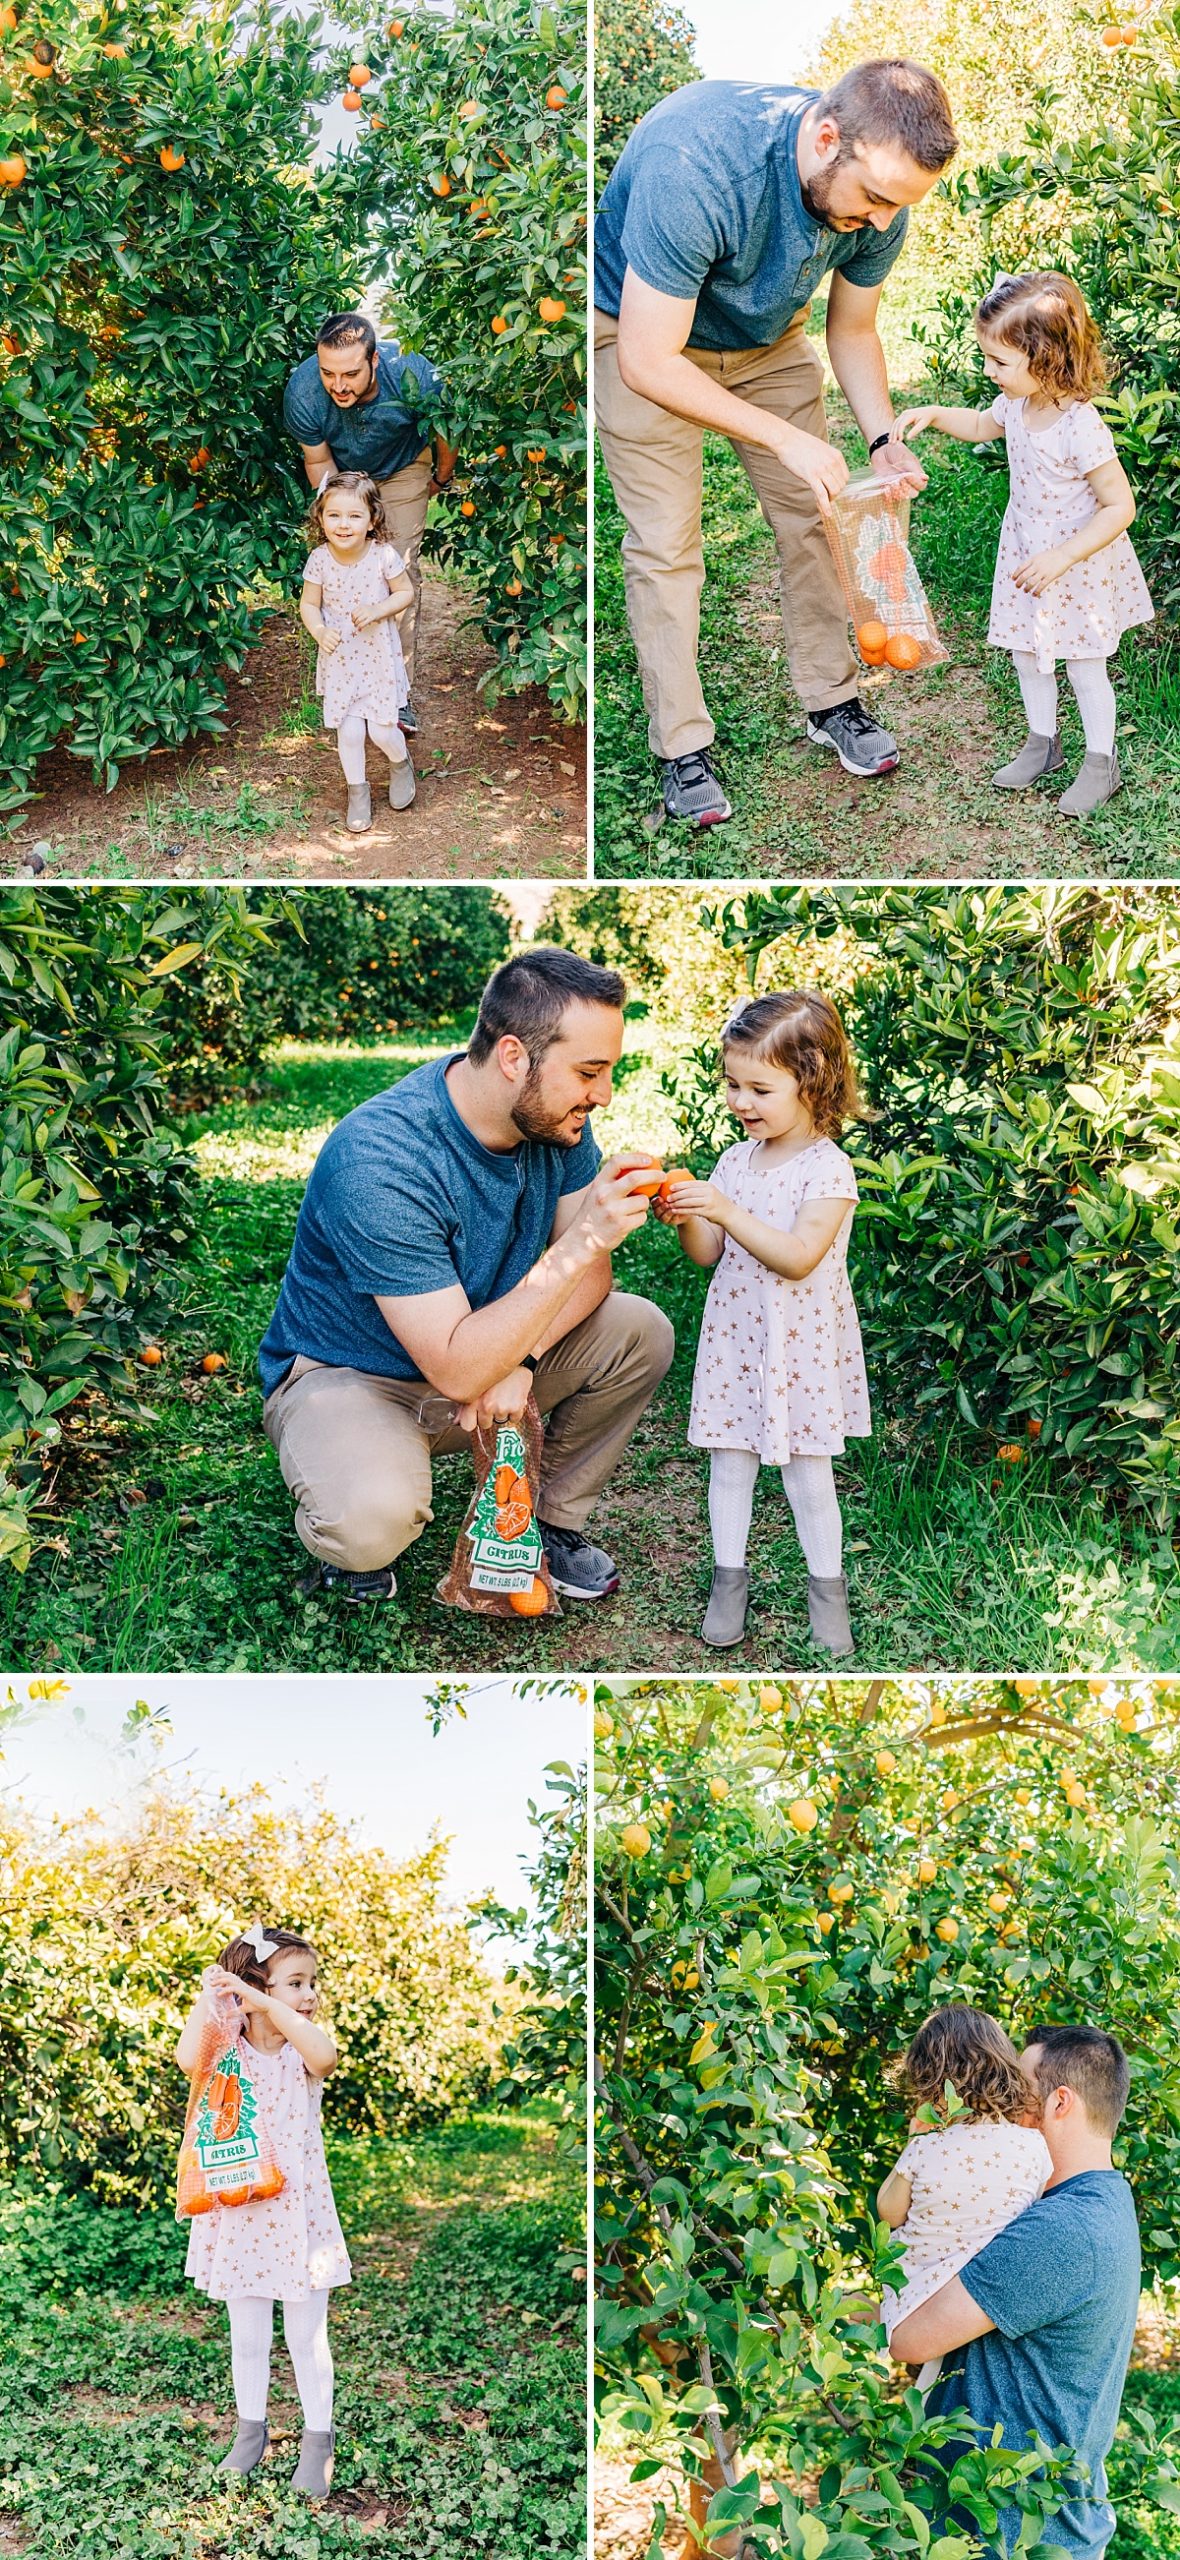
point(532, 1603)
point(647, 1190)
point(870, 640)
point(902, 650)
point(677, 1174)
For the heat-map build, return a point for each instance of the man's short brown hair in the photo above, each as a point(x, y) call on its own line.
point(893, 101)
point(1090, 2063)
point(530, 996)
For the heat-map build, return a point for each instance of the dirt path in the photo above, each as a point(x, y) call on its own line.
point(501, 791)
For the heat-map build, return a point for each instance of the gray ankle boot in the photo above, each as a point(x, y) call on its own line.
point(360, 809)
point(1041, 755)
point(247, 2449)
point(402, 786)
point(1097, 781)
point(729, 1599)
point(317, 2462)
point(827, 1609)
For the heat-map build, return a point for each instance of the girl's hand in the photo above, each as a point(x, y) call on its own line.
point(330, 640)
point(693, 1200)
point(364, 614)
point(1040, 572)
point(219, 1980)
point(912, 422)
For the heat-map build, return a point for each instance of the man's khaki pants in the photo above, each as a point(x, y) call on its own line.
point(356, 1450)
point(655, 466)
point(406, 498)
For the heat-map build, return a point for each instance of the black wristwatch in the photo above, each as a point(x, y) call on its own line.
point(878, 441)
point(529, 1361)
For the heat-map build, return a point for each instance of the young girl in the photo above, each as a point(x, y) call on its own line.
point(1067, 582)
point(290, 2249)
point(956, 2186)
point(354, 586)
point(780, 1374)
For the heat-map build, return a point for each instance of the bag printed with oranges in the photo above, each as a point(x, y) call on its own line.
point(499, 1566)
point(868, 528)
point(225, 2156)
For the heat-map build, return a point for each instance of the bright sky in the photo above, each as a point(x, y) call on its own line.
point(759, 39)
point(366, 1737)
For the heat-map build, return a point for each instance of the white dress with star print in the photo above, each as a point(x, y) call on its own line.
point(1085, 613)
point(780, 1368)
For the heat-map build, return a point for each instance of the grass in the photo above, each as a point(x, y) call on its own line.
point(459, 2371)
point(173, 1540)
point(795, 813)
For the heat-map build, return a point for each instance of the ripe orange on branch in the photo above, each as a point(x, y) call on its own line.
point(171, 159)
point(14, 169)
point(551, 310)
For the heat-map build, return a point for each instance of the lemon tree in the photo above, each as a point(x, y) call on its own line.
point(790, 1876)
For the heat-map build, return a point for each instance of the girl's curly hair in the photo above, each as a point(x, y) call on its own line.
point(1045, 317)
point(365, 488)
point(239, 1956)
point(967, 2048)
point(802, 1031)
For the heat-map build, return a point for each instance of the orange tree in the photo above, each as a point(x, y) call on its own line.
point(1016, 1252)
point(789, 1877)
point(643, 50)
point(97, 1192)
point(471, 170)
point(166, 257)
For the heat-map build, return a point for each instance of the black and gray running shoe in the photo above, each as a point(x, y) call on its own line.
point(407, 719)
point(356, 1590)
point(862, 747)
point(578, 1570)
point(692, 790)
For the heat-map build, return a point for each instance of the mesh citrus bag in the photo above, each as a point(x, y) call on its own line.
point(868, 530)
point(225, 2156)
point(499, 1568)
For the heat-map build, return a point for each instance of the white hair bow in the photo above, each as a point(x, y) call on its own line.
point(262, 1945)
point(998, 279)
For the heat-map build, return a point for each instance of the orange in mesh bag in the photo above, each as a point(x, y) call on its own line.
point(225, 2156)
point(868, 530)
point(499, 1568)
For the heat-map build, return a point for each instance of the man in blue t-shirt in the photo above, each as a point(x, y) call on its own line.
point(731, 203)
point(1035, 2335)
point(355, 406)
point(453, 1255)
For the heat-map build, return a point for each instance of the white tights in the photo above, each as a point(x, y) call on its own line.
point(305, 2327)
point(1092, 687)
point(810, 1488)
point(350, 739)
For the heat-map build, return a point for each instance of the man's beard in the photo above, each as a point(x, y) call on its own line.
point(817, 197)
point(534, 1121)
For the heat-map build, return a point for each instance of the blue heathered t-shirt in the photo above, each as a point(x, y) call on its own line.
point(379, 436)
point(1062, 2285)
point(706, 203)
point(403, 1198)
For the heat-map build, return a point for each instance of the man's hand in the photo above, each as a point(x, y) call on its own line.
point(1041, 571)
point(821, 465)
point(612, 1209)
point(898, 469)
point(504, 1402)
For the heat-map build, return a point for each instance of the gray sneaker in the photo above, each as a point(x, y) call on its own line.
point(692, 790)
point(247, 2450)
point(1098, 780)
point(729, 1600)
point(1037, 756)
point(862, 747)
point(402, 786)
point(356, 1590)
point(577, 1570)
point(360, 809)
